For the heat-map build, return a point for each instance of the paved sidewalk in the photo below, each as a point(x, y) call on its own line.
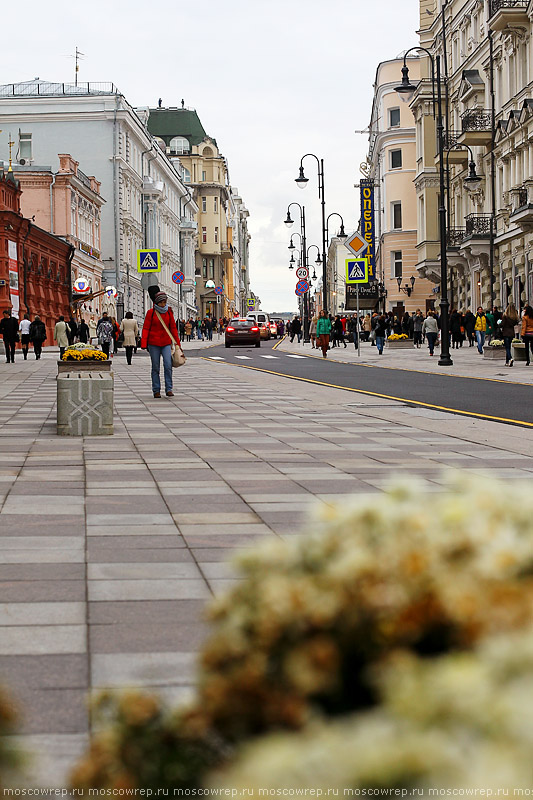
point(110, 546)
point(466, 360)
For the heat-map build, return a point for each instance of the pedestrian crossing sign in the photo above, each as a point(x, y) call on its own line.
point(356, 270)
point(148, 261)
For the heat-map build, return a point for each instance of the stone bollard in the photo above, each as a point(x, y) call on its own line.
point(84, 404)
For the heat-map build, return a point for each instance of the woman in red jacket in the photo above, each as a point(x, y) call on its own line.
point(156, 340)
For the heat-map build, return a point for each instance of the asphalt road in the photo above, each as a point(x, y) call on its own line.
point(490, 399)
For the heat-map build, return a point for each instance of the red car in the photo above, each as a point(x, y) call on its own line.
point(242, 331)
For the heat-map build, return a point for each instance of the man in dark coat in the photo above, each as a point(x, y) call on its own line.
point(9, 327)
point(37, 335)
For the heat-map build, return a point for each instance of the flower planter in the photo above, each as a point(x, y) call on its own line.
point(84, 365)
point(401, 344)
point(494, 352)
point(519, 352)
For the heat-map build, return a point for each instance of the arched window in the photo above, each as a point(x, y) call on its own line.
point(186, 175)
point(161, 143)
point(207, 152)
point(179, 145)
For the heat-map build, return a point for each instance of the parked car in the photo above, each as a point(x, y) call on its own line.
point(242, 331)
point(273, 329)
point(264, 330)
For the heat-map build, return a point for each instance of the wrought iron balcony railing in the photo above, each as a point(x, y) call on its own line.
point(476, 119)
point(451, 139)
point(478, 224)
point(496, 5)
point(455, 236)
point(522, 197)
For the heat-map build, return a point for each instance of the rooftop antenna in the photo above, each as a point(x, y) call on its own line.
point(77, 55)
point(10, 143)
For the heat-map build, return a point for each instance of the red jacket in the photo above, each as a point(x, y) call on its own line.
point(153, 331)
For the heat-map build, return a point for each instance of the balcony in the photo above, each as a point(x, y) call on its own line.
point(454, 153)
point(476, 127)
point(522, 213)
point(226, 250)
point(477, 226)
point(507, 13)
point(455, 237)
point(187, 224)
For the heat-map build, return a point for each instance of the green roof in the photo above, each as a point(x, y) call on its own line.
point(169, 122)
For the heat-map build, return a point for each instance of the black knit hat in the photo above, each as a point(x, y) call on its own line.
point(152, 291)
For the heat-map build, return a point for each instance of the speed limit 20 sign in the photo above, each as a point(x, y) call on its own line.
point(302, 273)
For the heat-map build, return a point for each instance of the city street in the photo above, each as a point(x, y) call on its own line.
point(110, 547)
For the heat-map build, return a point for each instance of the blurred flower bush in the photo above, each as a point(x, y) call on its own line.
point(397, 337)
point(10, 757)
point(78, 352)
point(330, 635)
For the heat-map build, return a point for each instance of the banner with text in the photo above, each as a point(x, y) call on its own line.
point(368, 225)
point(13, 278)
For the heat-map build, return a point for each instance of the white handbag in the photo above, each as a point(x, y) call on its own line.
point(178, 356)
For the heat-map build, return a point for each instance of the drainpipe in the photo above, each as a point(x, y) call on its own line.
point(24, 267)
point(116, 194)
point(52, 202)
point(492, 171)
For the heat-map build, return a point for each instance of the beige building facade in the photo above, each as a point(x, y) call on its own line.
point(392, 165)
point(486, 51)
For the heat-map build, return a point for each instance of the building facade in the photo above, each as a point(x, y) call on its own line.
point(486, 52)
point(222, 244)
point(147, 201)
point(391, 166)
point(35, 266)
point(68, 203)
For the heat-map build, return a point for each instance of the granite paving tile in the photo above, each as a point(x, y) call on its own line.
point(41, 591)
point(41, 640)
point(44, 671)
point(146, 589)
point(28, 613)
point(147, 638)
point(146, 669)
point(52, 710)
point(140, 528)
point(142, 570)
point(148, 612)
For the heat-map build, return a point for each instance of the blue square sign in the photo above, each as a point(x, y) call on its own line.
point(148, 260)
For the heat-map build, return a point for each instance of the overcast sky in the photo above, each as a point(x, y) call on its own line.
point(271, 80)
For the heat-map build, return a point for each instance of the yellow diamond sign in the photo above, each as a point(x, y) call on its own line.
point(356, 243)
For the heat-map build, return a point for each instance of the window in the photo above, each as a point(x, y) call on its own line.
point(186, 175)
point(215, 202)
point(204, 178)
point(395, 159)
point(204, 235)
point(204, 268)
point(396, 209)
point(216, 235)
point(204, 204)
point(394, 117)
point(212, 269)
point(178, 146)
point(25, 146)
point(396, 264)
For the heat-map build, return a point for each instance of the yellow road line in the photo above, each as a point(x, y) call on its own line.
point(280, 342)
point(420, 371)
point(379, 394)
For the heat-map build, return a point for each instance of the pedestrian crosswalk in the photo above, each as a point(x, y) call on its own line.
point(249, 358)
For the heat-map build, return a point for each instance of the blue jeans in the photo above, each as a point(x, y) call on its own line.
point(355, 340)
point(380, 341)
point(432, 338)
point(155, 354)
point(480, 338)
point(508, 354)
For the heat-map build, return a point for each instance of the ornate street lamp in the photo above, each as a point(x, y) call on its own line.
point(302, 182)
point(406, 91)
point(305, 300)
point(407, 289)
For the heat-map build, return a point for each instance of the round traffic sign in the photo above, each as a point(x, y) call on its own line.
point(178, 277)
point(219, 290)
point(302, 272)
point(301, 287)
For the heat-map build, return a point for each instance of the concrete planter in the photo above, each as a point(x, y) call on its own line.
point(84, 403)
point(87, 365)
point(494, 353)
point(519, 351)
point(402, 344)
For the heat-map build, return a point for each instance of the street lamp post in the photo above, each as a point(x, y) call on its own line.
point(406, 91)
point(302, 182)
point(342, 236)
point(289, 222)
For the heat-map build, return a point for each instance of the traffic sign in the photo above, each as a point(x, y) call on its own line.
point(302, 272)
point(148, 260)
point(356, 270)
point(178, 277)
point(219, 290)
point(250, 303)
point(356, 243)
point(301, 288)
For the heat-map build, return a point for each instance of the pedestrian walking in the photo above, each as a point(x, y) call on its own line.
point(338, 332)
point(431, 330)
point(9, 327)
point(312, 332)
point(456, 324)
point(323, 331)
point(367, 327)
point(83, 332)
point(507, 325)
point(72, 330)
point(296, 329)
point(353, 328)
point(491, 325)
point(92, 331)
point(116, 335)
point(418, 323)
point(130, 331)
point(37, 335)
point(527, 332)
point(104, 332)
point(188, 329)
point(480, 328)
point(470, 322)
point(61, 335)
point(24, 330)
point(158, 342)
point(380, 330)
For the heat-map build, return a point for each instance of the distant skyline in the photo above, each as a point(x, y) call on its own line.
point(270, 82)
